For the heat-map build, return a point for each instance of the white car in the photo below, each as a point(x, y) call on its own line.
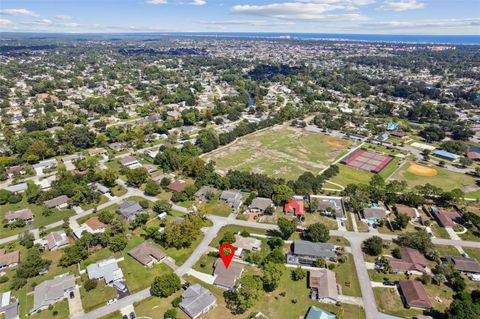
point(111, 301)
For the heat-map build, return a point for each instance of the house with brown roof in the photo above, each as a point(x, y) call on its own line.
point(98, 152)
point(373, 215)
point(22, 214)
point(407, 210)
point(147, 254)
point(414, 294)
point(464, 264)
point(15, 170)
point(9, 260)
point(177, 186)
point(130, 162)
point(226, 277)
point(57, 202)
point(92, 225)
point(323, 285)
point(412, 261)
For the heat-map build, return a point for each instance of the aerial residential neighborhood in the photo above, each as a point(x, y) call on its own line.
point(238, 175)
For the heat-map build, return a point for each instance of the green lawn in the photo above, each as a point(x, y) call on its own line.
point(390, 302)
point(97, 297)
point(473, 253)
point(287, 152)
point(235, 229)
point(445, 179)
point(181, 255)
point(118, 190)
point(59, 310)
point(347, 277)
point(155, 307)
point(311, 218)
point(217, 207)
point(205, 264)
point(113, 315)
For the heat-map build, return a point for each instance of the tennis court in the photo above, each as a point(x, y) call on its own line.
point(367, 161)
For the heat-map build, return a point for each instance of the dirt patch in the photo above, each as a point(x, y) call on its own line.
point(421, 170)
point(336, 143)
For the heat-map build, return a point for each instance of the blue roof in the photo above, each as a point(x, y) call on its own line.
point(317, 313)
point(446, 154)
point(474, 148)
point(392, 126)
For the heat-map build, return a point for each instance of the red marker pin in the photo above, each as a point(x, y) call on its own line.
point(227, 259)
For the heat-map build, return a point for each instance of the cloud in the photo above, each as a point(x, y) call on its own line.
point(198, 2)
point(402, 5)
point(421, 24)
point(63, 17)
point(299, 11)
point(6, 22)
point(18, 12)
point(157, 2)
point(256, 23)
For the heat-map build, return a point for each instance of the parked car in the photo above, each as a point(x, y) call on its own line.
point(112, 301)
point(125, 317)
point(132, 315)
point(389, 283)
point(72, 294)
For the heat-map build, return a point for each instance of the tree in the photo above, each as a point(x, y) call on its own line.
point(162, 206)
point(275, 256)
point(317, 232)
point(26, 239)
point(272, 273)
point(228, 238)
point(165, 285)
point(247, 290)
point(401, 220)
point(457, 282)
point(137, 176)
point(105, 216)
point(419, 240)
point(32, 265)
point(194, 167)
point(109, 177)
point(298, 274)
point(287, 227)
point(90, 284)
point(373, 246)
point(170, 314)
point(384, 264)
point(207, 140)
point(152, 188)
point(281, 193)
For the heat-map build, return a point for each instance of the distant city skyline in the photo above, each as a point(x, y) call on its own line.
point(426, 17)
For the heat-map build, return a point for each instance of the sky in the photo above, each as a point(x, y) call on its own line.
point(430, 17)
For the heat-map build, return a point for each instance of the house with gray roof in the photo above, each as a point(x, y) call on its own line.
point(107, 269)
point(260, 204)
point(52, 291)
point(233, 198)
point(8, 306)
point(307, 252)
point(57, 202)
point(130, 209)
point(197, 301)
point(53, 241)
point(323, 285)
point(18, 188)
point(204, 192)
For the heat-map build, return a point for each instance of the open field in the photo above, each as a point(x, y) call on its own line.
point(280, 151)
point(415, 174)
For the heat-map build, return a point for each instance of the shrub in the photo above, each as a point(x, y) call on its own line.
point(90, 284)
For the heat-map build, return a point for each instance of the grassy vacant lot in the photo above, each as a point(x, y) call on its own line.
point(347, 277)
point(390, 302)
point(217, 207)
point(155, 308)
point(311, 218)
point(445, 179)
point(473, 253)
point(113, 315)
point(280, 151)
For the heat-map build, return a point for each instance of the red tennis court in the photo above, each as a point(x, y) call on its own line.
point(367, 161)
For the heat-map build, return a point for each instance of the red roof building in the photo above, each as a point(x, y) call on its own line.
point(177, 186)
point(414, 294)
point(294, 206)
point(412, 260)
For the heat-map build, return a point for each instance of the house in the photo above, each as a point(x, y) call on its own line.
point(9, 260)
point(147, 254)
point(414, 294)
point(407, 210)
point(18, 188)
point(445, 217)
point(57, 202)
point(260, 204)
point(226, 277)
point(92, 225)
point(317, 313)
point(117, 147)
point(130, 209)
point(8, 306)
point(464, 264)
point(107, 269)
point(22, 214)
point(307, 252)
point(197, 301)
point(15, 170)
point(130, 162)
point(53, 241)
point(233, 198)
point(73, 157)
point(374, 214)
point(177, 186)
point(323, 285)
point(205, 192)
point(412, 261)
point(174, 114)
point(98, 152)
point(398, 134)
point(446, 155)
point(332, 206)
point(474, 153)
point(51, 291)
point(294, 207)
point(243, 244)
point(101, 188)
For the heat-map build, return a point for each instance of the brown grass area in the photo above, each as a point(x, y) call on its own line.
point(421, 170)
point(337, 143)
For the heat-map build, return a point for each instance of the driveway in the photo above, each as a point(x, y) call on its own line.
point(75, 303)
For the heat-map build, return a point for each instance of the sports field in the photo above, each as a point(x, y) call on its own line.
point(280, 151)
point(415, 174)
